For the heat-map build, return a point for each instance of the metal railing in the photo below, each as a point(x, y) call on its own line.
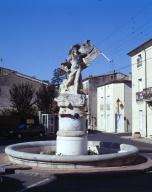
point(139, 96)
point(147, 94)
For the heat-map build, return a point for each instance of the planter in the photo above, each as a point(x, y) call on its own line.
point(137, 135)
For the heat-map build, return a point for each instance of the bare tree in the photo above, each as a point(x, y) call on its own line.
point(22, 98)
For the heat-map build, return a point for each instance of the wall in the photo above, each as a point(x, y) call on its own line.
point(128, 107)
point(149, 84)
point(107, 108)
point(92, 83)
point(139, 72)
point(118, 92)
point(6, 82)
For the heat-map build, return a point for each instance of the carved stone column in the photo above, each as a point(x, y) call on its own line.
point(72, 134)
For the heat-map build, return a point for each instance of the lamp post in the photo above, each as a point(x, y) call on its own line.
point(117, 115)
point(118, 101)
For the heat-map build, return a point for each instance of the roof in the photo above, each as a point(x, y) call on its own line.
point(103, 75)
point(117, 81)
point(140, 48)
point(10, 72)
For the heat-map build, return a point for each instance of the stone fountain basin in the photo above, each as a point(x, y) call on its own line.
point(30, 153)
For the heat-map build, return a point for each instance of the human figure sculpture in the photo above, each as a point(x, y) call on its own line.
point(78, 58)
point(71, 97)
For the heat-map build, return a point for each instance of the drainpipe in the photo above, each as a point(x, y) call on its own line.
point(145, 88)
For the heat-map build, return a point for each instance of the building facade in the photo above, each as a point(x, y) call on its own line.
point(141, 60)
point(114, 107)
point(90, 85)
point(8, 78)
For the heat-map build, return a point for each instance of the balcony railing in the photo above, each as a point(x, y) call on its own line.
point(139, 96)
point(147, 94)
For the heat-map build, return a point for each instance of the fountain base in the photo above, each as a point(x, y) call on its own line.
point(34, 154)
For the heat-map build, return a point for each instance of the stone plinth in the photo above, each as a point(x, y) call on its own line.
point(72, 134)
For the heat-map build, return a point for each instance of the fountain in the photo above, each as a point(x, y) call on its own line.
point(72, 150)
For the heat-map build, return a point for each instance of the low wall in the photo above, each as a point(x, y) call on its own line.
point(27, 154)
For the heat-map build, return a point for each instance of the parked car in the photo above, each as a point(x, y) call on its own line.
point(25, 130)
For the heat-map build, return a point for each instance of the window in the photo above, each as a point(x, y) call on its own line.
point(139, 60)
point(108, 102)
point(108, 99)
point(102, 104)
point(140, 88)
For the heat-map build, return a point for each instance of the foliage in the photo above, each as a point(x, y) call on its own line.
point(6, 112)
point(45, 98)
point(22, 98)
point(55, 108)
point(56, 79)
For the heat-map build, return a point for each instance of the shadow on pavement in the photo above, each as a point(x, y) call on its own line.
point(97, 183)
point(10, 184)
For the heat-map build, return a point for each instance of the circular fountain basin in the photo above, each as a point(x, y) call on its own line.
point(35, 154)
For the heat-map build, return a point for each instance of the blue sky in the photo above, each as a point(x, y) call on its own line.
point(35, 35)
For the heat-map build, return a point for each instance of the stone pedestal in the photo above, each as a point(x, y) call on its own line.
point(72, 134)
point(71, 137)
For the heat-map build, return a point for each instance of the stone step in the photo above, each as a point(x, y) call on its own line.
point(10, 169)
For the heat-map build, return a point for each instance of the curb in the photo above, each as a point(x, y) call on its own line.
point(125, 170)
point(141, 140)
point(33, 173)
point(9, 168)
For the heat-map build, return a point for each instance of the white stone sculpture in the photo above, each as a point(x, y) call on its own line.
point(78, 59)
point(72, 134)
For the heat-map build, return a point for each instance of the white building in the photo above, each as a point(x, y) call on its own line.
point(90, 85)
point(114, 107)
point(141, 59)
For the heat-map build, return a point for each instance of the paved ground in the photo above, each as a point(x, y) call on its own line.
point(22, 182)
point(144, 145)
point(78, 183)
point(29, 182)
